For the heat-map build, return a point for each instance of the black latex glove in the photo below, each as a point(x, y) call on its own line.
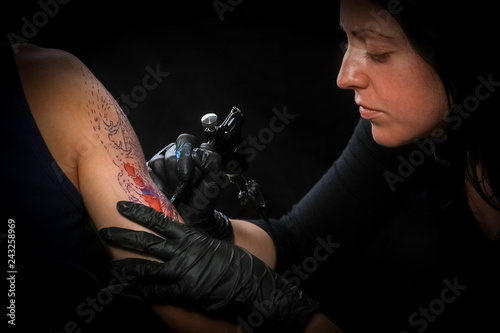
point(203, 272)
point(193, 172)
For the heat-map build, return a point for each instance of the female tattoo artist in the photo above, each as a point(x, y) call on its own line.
point(423, 159)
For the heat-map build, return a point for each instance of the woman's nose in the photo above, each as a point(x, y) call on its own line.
point(351, 74)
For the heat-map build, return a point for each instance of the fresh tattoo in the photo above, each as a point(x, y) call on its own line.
point(118, 137)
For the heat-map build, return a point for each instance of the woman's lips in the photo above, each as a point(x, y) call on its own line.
point(367, 113)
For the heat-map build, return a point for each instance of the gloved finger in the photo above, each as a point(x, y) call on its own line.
point(157, 163)
point(150, 218)
point(207, 160)
point(141, 241)
point(172, 178)
point(207, 146)
point(184, 146)
point(139, 213)
point(160, 183)
point(160, 292)
point(205, 195)
point(175, 294)
point(137, 269)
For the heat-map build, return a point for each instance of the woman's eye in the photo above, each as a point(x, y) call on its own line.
point(378, 57)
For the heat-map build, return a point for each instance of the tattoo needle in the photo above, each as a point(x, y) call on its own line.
point(178, 191)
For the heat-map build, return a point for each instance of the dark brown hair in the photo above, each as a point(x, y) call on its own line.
point(458, 39)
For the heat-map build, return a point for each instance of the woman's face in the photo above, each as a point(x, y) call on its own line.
point(401, 95)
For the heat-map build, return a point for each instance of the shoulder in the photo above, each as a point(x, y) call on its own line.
point(41, 60)
point(45, 68)
point(48, 74)
point(57, 85)
point(60, 91)
point(52, 79)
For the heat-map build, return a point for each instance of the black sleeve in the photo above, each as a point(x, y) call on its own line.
point(350, 201)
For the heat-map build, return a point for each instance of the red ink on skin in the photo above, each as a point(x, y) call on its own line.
point(116, 135)
point(131, 172)
point(152, 201)
point(148, 194)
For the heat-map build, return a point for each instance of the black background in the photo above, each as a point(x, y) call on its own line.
point(262, 55)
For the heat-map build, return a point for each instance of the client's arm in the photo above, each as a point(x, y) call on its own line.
point(95, 146)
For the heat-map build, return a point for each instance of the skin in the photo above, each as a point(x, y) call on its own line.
point(97, 150)
point(94, 145)
point(388, 76)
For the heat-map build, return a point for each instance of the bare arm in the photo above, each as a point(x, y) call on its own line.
point(95, 146)
point(255, 240)
point(126, 178)
point(115, 168)
point(117, 136)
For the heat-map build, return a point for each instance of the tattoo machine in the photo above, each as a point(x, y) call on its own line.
point(227, 141)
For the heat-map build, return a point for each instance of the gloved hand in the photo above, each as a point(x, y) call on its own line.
point(193, 172)
point(203, 272)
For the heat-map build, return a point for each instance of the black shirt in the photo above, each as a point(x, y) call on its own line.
point(385, 245)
